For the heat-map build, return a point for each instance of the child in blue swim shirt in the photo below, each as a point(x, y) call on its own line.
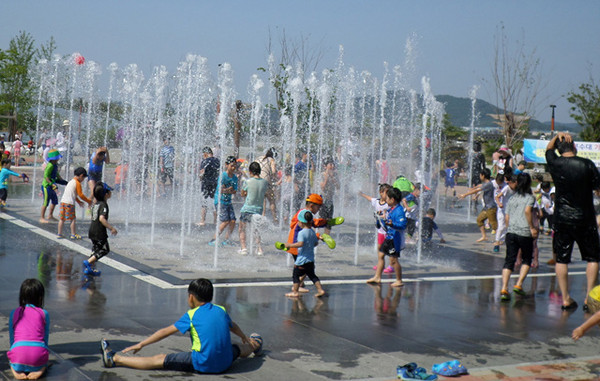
point(394, 239)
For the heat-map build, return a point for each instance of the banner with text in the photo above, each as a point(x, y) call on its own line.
point(534, 151)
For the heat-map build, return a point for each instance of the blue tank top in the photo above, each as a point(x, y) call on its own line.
point(97, 168)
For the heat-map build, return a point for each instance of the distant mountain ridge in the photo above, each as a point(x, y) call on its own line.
point(459, 112)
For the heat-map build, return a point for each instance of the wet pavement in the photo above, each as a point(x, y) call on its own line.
point(448, 309)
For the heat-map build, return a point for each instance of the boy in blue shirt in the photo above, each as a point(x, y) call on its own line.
point(228, 185)
point(209, 326)
point(305, 261)
point(394, 239)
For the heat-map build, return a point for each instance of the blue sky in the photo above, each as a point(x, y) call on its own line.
point(455, 41)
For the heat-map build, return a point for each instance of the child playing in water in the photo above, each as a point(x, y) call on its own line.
point(51, 178)
point(4, 175)
point(254, 190)
point(429, 226)
point(72, 195)
point(98, 228)
point(380, 205)
point(28, 327)
point(520, 235)
point(305, 261)
point(489, 208)
point(228, 186)
point(394, 239)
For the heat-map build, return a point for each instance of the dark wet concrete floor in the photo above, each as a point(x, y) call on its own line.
point(359, 331)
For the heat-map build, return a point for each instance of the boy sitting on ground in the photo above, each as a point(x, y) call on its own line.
point(209, 326)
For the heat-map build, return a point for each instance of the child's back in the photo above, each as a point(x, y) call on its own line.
point(97, 229)
point(306, 253)
point(28, 327)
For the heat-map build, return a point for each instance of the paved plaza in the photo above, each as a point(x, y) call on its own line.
point(448, 309)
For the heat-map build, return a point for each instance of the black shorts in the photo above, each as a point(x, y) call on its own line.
point(182, 361)
point(307, 269)
point(585, 236)
point(3, 194)
point(209, 190)
point(326, 210)
point(515, 242)
point(387, 248)
point(166, 173)
point(100, 248)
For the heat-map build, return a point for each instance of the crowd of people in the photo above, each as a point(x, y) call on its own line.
point(515, 211)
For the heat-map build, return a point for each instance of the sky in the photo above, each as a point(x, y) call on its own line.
point(454, 39)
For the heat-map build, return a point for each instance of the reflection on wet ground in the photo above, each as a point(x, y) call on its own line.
point(358, 331)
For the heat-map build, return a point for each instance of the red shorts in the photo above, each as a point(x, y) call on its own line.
point(67, 212)
point(380, 238)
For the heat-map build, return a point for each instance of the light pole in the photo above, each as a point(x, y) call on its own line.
point(552, 125)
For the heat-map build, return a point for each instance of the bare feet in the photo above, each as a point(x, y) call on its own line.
point(51, 218)
point(374, 280)
point(319, 294)
point(292, 295)
point(200, 224)
point(397, 284)
point(482, 239)
point(303, 290)
point(44, 221)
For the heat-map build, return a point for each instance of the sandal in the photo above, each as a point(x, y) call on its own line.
point(569, 307)
point(449, 369)
point(75, 236)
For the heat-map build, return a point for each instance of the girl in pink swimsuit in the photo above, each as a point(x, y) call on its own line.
point(28, 329)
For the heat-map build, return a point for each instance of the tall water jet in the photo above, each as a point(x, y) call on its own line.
point(473, 96)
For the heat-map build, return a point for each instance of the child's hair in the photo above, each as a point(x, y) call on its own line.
point(545, 185)
point(80, 171)
point(499, 178)
point(202, 289)
point(100, 191)
point(288, 170)
point(32, 292)
point(5, 161)
point(512, 178)
point(395, 194)
point(539, 178)
point(418, 186)
point(486, 173)
point(523, 163)
point(254, 168)
point(431, 212)
point(384, 187)
point(449, 164)
point(523, 183)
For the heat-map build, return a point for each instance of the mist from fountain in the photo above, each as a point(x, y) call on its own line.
point(342, 113)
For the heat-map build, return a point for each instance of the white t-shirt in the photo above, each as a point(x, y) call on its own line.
point(379, 209)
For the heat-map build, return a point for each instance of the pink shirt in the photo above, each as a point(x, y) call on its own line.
point(28, 330)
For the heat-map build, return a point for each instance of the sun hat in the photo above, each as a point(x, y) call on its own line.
point(66, 123)
point(315, 199)
point(302, 215)
point(53, 154)
point(230, 160)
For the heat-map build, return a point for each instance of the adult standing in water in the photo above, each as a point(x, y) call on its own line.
point(575, 179)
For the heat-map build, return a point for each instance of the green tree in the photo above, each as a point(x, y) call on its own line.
point(16, 89)
point(585, 110)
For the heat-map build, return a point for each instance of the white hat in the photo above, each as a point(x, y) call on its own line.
point(66, 123)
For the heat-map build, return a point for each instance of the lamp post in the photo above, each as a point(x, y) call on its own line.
point(552, 123)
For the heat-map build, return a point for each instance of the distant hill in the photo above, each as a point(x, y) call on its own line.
point(459, 111)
